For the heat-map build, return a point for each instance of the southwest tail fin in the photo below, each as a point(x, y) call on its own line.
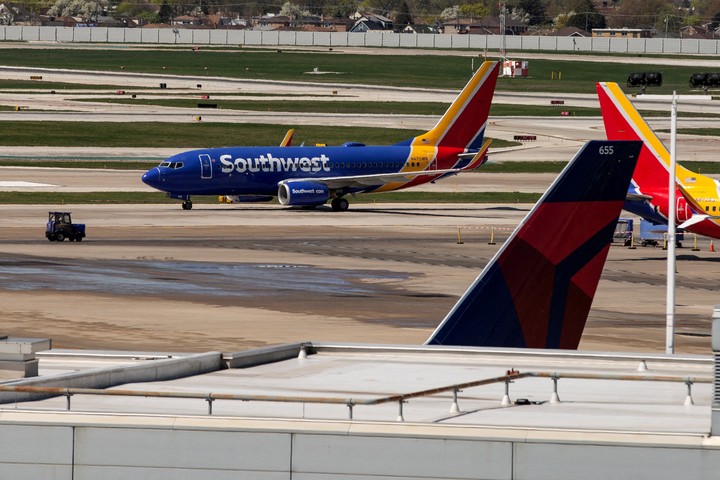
point(652, 174)
point(463, 124)
point(287, 139)
point(537, 290)
point(623, 122)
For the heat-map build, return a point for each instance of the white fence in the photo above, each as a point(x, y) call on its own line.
point(344, 39)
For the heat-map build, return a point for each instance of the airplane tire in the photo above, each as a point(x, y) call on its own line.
point(339, 204)
point(187, 205)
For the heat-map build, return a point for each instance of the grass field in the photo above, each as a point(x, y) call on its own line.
point(190, 135)
point(390, 108)
point(448, 71)
point(69, 198)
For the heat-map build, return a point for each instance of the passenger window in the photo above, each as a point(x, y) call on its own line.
point(707, 208)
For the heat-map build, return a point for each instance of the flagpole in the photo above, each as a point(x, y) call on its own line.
point(670, 303)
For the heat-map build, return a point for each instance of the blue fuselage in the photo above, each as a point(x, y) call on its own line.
point(259, 170)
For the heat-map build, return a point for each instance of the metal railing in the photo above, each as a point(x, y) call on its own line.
point(400, 398)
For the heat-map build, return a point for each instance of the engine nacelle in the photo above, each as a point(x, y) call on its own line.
point(303, 193)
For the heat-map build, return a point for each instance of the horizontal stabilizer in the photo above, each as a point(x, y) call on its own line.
point(537, 290)
point(695, 219)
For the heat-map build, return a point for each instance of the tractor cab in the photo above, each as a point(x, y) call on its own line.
point(60, 226)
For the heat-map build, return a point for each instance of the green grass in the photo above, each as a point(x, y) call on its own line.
point(70, 198)
point(185, 135)
point(710, 132)
point(20, 85)
point(448, 71)
point(191, 135)
point(397, 108)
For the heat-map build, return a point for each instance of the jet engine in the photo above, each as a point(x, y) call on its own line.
point(303, 193)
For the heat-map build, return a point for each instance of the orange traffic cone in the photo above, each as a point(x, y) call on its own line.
point(712, 246)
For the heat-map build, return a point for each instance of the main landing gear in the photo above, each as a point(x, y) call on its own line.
point(187, 205)
point(339, 204)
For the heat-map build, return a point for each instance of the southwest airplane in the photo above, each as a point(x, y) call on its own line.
point(697, 196)
point(537, 290)
point(310, 176)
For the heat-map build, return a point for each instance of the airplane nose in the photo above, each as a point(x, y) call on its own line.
point(152, 178)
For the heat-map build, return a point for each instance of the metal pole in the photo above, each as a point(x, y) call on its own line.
point(670, 303)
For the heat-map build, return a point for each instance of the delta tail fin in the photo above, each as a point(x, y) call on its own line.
point(537, 290)
point(463, 124)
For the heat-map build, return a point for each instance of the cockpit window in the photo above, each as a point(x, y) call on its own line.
point(173, 165)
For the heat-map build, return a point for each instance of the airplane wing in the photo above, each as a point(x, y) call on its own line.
point(374, 180)
point(379, 179)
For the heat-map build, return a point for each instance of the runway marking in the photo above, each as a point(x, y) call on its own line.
point(25, 184)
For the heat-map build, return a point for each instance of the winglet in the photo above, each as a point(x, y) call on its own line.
point(288, 138)
point(480, 157)
point(537, 290)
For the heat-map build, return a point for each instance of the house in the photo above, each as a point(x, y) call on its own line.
point(485, 26)
point(699, 32)
point(420, 29)
point(372, 22)
point(570, 32)
point(622, 32)
point(7, 15)
point(186, 20)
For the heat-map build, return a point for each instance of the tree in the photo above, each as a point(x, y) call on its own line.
point(87, 10)
point(535, 10)
point(341, 9)
point(383, 7)
point(403, 16)
point(474, 10)
point(639, 13)
point(586, 18)
point(165, 13)
point(450, 13)
point(294, 11)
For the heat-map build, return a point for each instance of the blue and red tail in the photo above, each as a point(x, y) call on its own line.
point(537, 290)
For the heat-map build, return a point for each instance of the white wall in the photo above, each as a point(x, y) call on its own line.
point(370, 39)
point(80, 446)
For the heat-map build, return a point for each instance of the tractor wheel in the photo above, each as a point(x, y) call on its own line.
point(59, 236)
